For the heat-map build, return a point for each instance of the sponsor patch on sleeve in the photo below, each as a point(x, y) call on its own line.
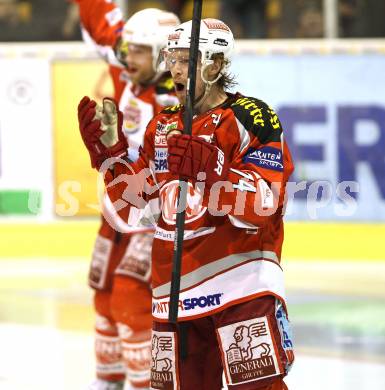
point(266, 157)
point(161, 160)
point(248, 351)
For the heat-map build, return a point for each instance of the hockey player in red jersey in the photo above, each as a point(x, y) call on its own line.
point(120, 267)
point(232, 299)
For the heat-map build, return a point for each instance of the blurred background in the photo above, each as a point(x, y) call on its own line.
point(319, 63)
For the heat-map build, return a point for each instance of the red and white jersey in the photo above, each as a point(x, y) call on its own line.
point(139, 105)
point(102, 25)
point(234, 232)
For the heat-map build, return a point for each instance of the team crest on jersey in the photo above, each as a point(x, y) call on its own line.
point(131, 117)
point(169, 201)
point(164, 374)
point(249, 351)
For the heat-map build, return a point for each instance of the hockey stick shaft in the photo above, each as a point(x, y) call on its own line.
point(182, 195)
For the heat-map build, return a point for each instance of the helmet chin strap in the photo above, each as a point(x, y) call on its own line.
point(208, 84)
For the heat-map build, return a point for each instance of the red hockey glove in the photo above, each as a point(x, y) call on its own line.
point(101, 130)
point(188, 155)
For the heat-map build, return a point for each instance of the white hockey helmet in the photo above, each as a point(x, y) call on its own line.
point(215, 37)
point(150, 27)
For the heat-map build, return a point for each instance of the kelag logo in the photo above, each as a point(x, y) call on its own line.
point(266, 157)
point(189, 303)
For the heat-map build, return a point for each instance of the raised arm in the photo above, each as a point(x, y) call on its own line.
point(102, 24)
point(129, 185)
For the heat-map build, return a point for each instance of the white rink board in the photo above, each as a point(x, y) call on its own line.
point(26, 127)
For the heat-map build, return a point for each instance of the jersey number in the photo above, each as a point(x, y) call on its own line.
point(242, 184)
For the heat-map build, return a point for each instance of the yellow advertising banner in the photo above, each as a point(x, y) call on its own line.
point(75, 181)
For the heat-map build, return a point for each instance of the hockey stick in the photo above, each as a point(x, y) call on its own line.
point(182, 195)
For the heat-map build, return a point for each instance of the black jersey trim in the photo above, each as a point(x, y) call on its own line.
point(258, 118)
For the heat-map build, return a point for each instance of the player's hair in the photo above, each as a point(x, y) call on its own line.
point(227, 80)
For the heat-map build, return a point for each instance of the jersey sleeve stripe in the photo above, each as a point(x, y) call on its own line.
point(243, 135)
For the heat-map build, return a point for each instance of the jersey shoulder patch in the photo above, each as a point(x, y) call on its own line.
point(258, 118)
point(171, 109)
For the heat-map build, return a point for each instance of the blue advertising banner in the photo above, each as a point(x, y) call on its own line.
point(332, 108)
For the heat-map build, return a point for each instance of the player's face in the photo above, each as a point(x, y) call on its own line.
point(139, 63)
point(177, 63)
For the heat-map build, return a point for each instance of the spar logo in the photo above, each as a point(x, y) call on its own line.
point(161, 160)
point(189, 303)
point(169, 201)
point(265, 157)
